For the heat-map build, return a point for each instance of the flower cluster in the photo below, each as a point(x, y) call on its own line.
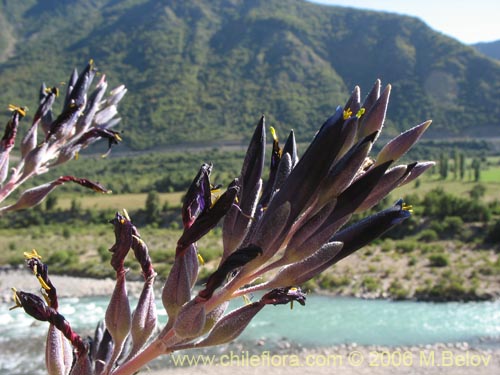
point(82, 121)
point(276, 236)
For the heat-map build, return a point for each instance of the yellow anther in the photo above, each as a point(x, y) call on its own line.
point(347, 113)
point(407, 207)
point(127, 216)
point(361, 112)
point(200, 259)
point(17, 301)
point(20, 110)
point(273, 133)
point(118, 138)
point(246, 299)
point(42, 283)
point(122, 221)
point(46, 298)
point(32, 255)
point(77, 155)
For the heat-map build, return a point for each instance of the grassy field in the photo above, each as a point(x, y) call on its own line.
point(117, 201)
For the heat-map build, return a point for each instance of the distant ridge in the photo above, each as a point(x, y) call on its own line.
point(491, 49)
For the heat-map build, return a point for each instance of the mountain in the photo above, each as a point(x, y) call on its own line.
point(200, 71)
point(490, 49)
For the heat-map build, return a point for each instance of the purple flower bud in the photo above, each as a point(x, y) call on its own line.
point(231, 325)
point(191, 320)
point(290, 148)
point(144, 318)
point(58, 353)
point(419, 168)
point(32, 197)
point(82, 366)
point(237, 222)
point(177, 289)
point(118, 315)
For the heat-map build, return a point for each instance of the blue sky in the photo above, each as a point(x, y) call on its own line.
point(469, 21)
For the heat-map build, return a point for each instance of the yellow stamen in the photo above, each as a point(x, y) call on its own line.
point(347, 113)
point(361, 112)
point(76, 155)
point(118, 138)
point(32, 255)
point(17, 301)
point(246, 299)
point(42, 283)
point(20, 110)
point(127, 216)
point(200, 259)
point(407, 207)
point(122, 221)
point(273, 133)
point(46, 298)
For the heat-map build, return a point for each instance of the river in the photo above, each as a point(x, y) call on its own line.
point(324, 321)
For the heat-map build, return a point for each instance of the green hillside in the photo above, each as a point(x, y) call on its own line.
point(204, 71)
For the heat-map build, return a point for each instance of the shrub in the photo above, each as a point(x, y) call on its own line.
point(439, 260)
point(428, 235)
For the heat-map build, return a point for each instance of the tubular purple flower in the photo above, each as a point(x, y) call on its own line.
point(283, 296)
point(237, 259)
point(298, 273)
point(36, 308)
point(374, 117)
point(372, 96)
point(238, 219)
point(78, 93)
point(389, 181)
point(123, 229)
point(363, 232)
point(419, 168)
point(208, 219)
point(198, 197)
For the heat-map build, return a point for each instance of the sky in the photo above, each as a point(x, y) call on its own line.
point(469, 21)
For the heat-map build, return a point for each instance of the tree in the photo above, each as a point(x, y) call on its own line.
point(476, 168)
point(462, 166)
point(152, 206)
